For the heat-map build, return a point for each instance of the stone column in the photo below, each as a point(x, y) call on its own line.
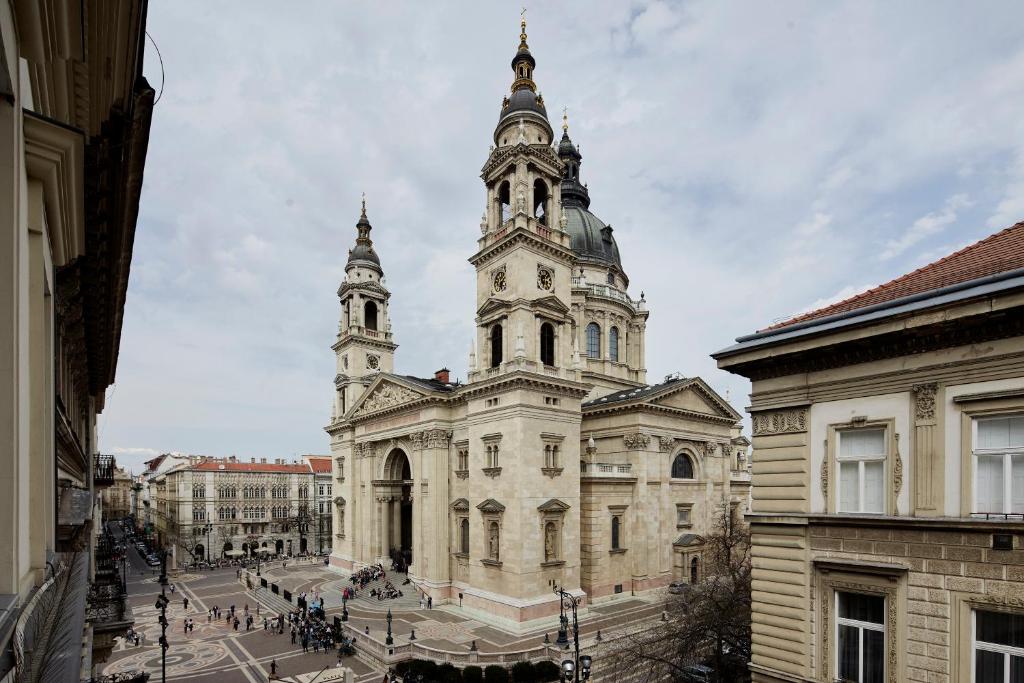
point(396, 522)
point(385, 526)
point(927, 498)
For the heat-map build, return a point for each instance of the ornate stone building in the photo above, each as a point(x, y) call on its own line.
point(117, 498)
point(888, 480)
point(555, 464)
point(221, 507)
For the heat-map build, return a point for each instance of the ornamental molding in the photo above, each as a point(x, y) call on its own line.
point(824, 473)
point(897, 475)
point(924, 400)
point(385, 396)
point(788, 421)
point(891, 625)
point(436, 438)
point(666, 444)
point(636, 442)
point(503, 155)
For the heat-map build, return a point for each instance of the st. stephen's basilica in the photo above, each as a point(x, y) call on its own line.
point(555, 464)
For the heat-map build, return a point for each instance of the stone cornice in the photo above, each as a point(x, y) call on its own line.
point(502, 156)
point(364, 286)
point(380, 344)
point(521, 378)
point(643, 407)
point(516, 236)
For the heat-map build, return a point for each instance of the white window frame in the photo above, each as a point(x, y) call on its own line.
point(860, 460)
point(860, 626)
point(1006, 453)
point(1006, 650)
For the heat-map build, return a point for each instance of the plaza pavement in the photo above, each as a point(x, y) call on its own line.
point(214, 651)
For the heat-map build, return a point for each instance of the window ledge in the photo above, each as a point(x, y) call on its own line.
point(462, 474)
point(828, 564)
point(617, 551)
point(688, 525)
point(551, 471)
point(553, 563)
point(461, 556)
point(490, 563)
point(492, 471)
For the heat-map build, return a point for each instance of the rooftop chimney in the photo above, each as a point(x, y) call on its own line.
point(263, 461)
point(252, 461)
point(442, 375)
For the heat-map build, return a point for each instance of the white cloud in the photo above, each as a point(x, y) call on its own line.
point(926, 226)
point(749, 160)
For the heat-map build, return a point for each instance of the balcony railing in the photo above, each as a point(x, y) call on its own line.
point(606, 469)
point(103, 472)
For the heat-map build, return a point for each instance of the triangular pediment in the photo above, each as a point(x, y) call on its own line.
point(490, 505)
point(553, 505)
point(460, 504)
point(694, 396)
point(551, 304)
point(688, 540)
point(383, 393)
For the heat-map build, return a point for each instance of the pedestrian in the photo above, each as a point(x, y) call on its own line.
point(316, 646)
point(264, 623)
point(136, 640)
point(421, 602)
point(430, 602)
point(209, 616)
point(185, 628)
point(191, 625)
point(257, 609)
point(305, 643)
point(293, 635)
point(236, 623)
point(273, 667)
point(184, 601)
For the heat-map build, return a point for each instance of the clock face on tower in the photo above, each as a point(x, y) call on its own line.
point(545, 279)
point(499, 281)
point(372, 362)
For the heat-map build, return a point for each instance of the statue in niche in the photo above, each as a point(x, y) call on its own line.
point(493, 542)
point(521, 200)
point(549, 542)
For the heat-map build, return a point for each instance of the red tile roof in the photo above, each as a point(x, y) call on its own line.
point(995, 254)
point(320, 464)
point(218, 466)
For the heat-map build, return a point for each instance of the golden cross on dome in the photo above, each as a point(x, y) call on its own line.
point(565, 119)
point(364, 203)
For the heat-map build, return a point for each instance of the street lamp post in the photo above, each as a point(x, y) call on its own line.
point(161, 604)
point(578, 668)
point(208, 527)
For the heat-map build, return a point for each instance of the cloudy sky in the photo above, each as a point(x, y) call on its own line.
point(755, 159)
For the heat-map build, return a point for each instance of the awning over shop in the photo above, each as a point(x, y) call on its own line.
point(233, 553)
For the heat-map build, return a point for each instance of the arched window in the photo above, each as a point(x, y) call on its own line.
point(496, 346)
point(464, 535)
point(505, 200)
point(682, 467)
point(611, 278)
point(613, 344)
point(593, 341)
point(540, 201)
point(616, 532)
point(370, 315)
point(694, 570)
point(547, 344)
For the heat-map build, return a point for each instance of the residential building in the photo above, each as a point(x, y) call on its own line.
point(323, 500)
point(556, 464)
point(116, 499)
point(223, 507)
point(74, 127)
point(888, 478)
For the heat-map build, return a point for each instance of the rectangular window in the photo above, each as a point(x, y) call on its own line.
point(860, 637)
point(998, 647)
point(999, 465)
point(683, 515)
point(861, 464)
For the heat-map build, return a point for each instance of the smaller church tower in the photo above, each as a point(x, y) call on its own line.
point(364, 346)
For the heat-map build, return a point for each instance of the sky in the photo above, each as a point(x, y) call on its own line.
point(755, 160)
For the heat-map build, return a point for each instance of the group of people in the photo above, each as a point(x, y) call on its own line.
point(388, 592)
point(230, 617)
point(367, 575)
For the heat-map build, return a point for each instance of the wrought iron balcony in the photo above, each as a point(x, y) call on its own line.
point(103, 471)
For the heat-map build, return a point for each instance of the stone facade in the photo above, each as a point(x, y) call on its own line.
point(555, 464)
point(223, 508)
point(916, 381)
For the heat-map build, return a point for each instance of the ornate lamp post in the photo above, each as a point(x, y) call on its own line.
point(389, 640)
point(578, 668)
point(208, 527)
point(161, 604)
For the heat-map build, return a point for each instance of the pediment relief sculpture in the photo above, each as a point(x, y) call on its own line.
point(387, 396)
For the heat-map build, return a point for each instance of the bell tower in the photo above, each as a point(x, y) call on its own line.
point(524, 260)
point(364, 346)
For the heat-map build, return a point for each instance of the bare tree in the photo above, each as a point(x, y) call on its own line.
point(708, 624)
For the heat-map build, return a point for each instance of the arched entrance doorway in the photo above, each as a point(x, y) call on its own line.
point(245, 549)
point(227, 547)
point(199, 551)
point(396, 522)
point(279, 546)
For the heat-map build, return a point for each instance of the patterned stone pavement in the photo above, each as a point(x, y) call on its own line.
point(214, 651)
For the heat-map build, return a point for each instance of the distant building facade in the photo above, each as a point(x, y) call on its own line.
point(117, 498)
point(223, 507)
point(323, 500)
point(888, 478)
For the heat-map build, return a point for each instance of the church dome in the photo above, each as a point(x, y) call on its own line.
point(362, 253)
point(591, 239)
point(523, 101)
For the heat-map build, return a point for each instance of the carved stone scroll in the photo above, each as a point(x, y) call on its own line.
point(636, 442)
point(789, 421)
